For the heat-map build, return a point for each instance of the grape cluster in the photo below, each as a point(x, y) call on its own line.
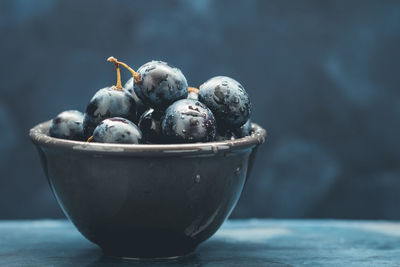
point(157, 106)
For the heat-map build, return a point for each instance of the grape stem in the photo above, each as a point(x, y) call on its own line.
point(193, 90)
point(118, 86)
point(136, 75)
point(90, 139)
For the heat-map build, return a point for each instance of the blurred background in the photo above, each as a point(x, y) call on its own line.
point(323, 77)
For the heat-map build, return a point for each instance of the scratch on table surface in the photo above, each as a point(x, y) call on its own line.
point(50, 223)
point(253, 235)
point(387, 228)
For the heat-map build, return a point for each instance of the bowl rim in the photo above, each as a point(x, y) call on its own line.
point(39, 136)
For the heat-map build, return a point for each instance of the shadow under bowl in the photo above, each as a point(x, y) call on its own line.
point(146, 201)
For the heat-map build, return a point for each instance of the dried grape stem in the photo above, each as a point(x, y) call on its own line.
point(193, 90)
point(118, 86)
point(136, 76)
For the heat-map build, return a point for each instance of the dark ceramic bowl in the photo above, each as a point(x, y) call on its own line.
point(146, 201)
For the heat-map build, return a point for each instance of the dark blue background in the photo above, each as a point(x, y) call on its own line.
point(323, 77)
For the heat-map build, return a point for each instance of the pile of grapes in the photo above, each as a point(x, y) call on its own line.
point(156, 106)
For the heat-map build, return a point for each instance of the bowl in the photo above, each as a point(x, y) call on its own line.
point(146, 201)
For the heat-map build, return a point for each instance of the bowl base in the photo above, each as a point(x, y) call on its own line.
point(149, 258)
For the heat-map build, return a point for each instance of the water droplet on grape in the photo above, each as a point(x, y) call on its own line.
point(197, 178)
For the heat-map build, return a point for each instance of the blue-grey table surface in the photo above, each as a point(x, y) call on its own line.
point(237, 243)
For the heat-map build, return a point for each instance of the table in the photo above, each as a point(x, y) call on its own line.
point(237, 243)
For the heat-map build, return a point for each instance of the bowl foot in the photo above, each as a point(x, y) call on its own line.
point(152, 259)
point(149, 255)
